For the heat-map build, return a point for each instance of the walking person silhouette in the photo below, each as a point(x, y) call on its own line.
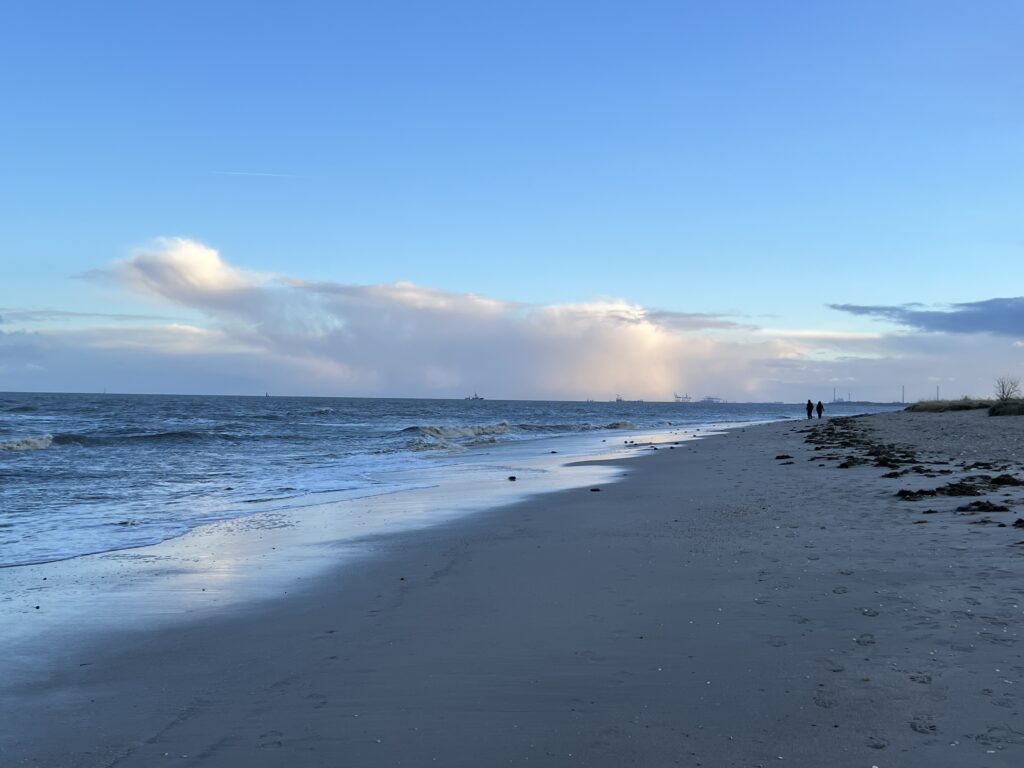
point(820, 408)
point(810, 409)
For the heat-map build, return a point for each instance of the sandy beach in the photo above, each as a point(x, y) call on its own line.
point(761, 597)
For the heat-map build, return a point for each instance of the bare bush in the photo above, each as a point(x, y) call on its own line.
point(1007, 388)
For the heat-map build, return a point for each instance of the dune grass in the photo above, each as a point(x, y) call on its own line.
point(939, 406)
point(1007, 408)
point(995, 407)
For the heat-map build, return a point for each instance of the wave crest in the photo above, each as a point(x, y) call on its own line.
point(27, 443)
point(105, 439)
point(454, 432)
point(422, 444)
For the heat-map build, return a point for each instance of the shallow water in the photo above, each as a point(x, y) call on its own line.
point(93, 473)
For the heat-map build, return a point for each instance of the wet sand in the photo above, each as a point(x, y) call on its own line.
point(744, 600)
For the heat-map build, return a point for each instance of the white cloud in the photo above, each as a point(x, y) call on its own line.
point(186, 272)
point(819, 335)
point(272, 332)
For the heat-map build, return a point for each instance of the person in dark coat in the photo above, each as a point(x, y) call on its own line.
point(820, 408)
point(810, 409)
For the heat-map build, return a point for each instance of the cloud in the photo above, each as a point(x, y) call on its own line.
point(819, 335)
point(188, 273)
point(19, 316)
point(252, 332)
point(694, 321)
point(408, 339)
point(1004, 317)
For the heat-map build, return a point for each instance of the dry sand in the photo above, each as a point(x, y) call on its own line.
point(719, 607)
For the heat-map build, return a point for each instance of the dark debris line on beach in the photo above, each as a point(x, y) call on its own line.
point(849, 441)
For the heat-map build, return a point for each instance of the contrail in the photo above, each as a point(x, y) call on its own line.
point(255, 173)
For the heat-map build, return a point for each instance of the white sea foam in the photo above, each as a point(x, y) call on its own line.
point(421, 444)
point(26, 443)
point(455, 432)
point(286, 452)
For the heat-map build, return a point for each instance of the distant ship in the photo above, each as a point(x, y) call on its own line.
point(474, 397)
point(683, 398)
point(710, 399)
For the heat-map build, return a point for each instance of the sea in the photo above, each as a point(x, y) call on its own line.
point(89, 473)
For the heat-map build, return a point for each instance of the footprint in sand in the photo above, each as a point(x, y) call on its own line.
point(923, 724)
point(777, 641)
point(271, 739)
point(923, 679)
point(824, 701)
point(866, 639)
point(1000, 734)
point(992, 637)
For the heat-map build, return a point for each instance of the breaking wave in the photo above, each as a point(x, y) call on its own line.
point(174, 436)
point(569, 428)
point(427, 437)
point(27, 443)
point(450, 432)
point(421, 444)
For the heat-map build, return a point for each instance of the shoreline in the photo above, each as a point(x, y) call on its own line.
point(715, 606)
point(122, 472)
point(530, 456)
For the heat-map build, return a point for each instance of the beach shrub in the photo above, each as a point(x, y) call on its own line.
point(1007, 408)
point(938, 406)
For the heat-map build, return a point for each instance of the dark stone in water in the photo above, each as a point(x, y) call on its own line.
point(783, 456)
point(1006, 480)
point(595, 490)
point(903, 493)
point(960, 488)
point(982, 506)
point(512, 478)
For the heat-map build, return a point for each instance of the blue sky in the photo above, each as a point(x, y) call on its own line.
point(756, 160)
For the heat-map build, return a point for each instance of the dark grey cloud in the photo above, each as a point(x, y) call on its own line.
point(1003, 317)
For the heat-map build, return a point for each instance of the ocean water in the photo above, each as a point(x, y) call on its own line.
point(86, 473)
